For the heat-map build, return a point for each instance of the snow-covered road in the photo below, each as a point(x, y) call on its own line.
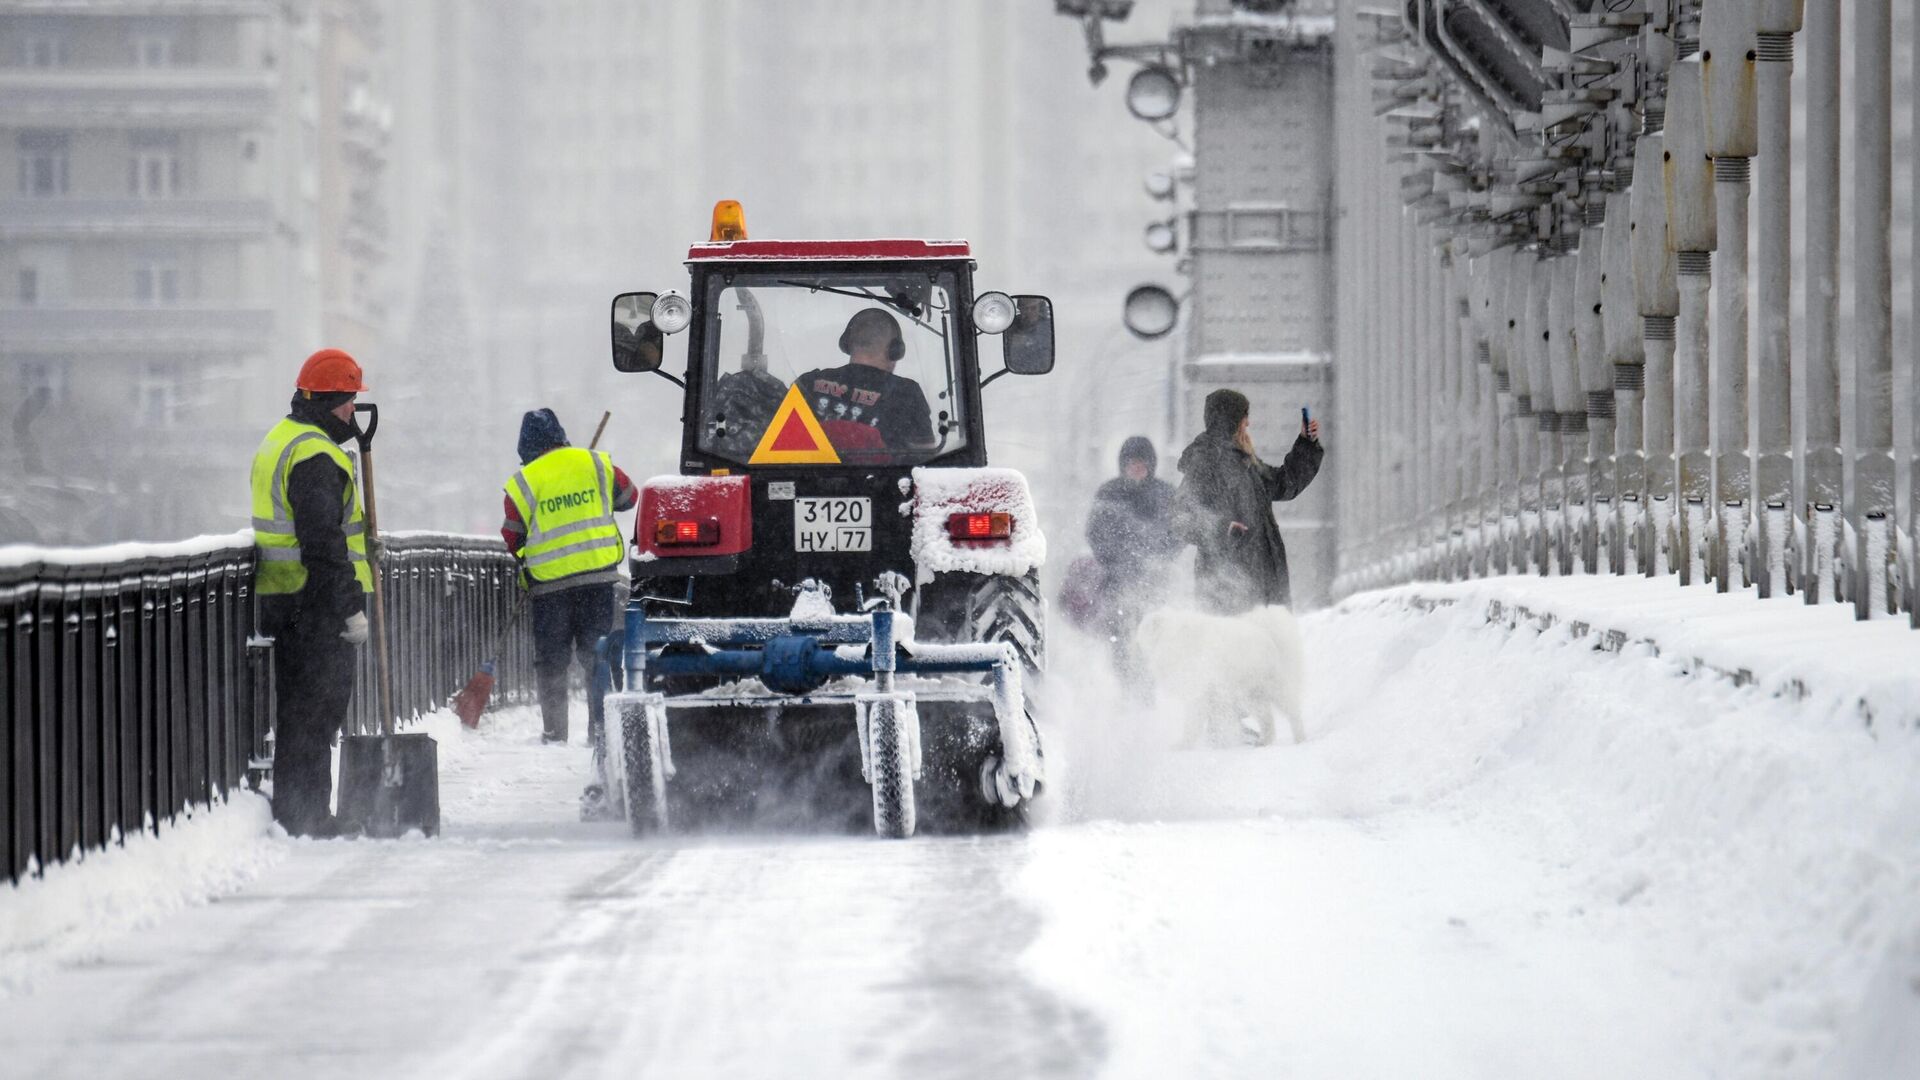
point(1497, 855)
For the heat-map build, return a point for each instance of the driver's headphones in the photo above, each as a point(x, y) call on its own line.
point(896, 348)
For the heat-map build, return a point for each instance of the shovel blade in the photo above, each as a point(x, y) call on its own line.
point(390, 784)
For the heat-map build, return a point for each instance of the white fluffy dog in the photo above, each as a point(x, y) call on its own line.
point(1217, 671)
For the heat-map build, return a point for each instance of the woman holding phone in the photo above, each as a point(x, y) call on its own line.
point(1225, 505)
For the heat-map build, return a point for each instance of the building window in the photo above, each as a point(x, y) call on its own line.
point(156, 394)
point(153, 51)
point(154, 174)
point(44, 51)
point(43, 163)
point(29, 285)
point(156, 280)
point(154, 169)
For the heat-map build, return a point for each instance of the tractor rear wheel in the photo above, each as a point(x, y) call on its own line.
point(1011, 609)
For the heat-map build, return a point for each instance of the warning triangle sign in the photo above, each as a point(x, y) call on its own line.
point(794, 437)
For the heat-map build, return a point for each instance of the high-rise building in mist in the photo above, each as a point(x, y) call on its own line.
point(190, 201)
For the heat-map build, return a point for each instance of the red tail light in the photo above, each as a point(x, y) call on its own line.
point(980, 526)
point(686, 533)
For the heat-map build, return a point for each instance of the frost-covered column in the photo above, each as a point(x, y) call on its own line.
point(1627, 354)
point(1407, 367)
point(1488, 423)
point(1871, 513)
point(1690, 225)
point(1526, 426)
point(1428, 346)
point(1379, 448)
point(1658, 299)
point(1536, 323)
point(1773, 272)
point(1568, 426)
point(1511, 471)
point(1824, 465)
point(1462, 399)
point(1729, 42)
point(1596, 386)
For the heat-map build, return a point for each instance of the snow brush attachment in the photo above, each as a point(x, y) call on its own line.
point(471, 700)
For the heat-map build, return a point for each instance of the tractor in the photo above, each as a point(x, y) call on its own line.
point(835, 615)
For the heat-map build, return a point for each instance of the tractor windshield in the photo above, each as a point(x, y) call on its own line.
point(846, 367)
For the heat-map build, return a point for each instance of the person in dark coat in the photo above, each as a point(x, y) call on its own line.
point(1130, 532)
point(1225, 507)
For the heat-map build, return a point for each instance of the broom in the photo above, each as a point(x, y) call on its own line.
point(471, 700)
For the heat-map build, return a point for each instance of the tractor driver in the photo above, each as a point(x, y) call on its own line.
point(862, 404)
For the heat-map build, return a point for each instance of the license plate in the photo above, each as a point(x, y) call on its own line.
point(837, 524)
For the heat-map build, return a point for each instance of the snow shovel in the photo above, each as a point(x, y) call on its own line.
point(389, 784)
point(471, 700)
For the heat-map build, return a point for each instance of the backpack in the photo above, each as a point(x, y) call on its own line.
point(1080, 592)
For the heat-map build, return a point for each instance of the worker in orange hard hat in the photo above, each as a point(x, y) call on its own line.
point(330, 371)
point(312, 578)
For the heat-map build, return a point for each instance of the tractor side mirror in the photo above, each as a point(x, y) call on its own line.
point(1027, 344)
point(637, 343)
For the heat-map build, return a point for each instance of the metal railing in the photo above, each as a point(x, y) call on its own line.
point(1548, 312)
point(135, 689)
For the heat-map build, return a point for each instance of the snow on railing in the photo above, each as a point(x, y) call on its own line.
point(135, 686)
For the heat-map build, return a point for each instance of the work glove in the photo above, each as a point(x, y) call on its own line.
point(356, 631)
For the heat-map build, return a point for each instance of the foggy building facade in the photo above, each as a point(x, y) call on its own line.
point(171, 173)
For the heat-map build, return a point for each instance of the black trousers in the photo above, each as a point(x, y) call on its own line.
point(313, 673)
point(566, 626)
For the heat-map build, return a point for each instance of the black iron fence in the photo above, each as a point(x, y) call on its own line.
point(135, 688)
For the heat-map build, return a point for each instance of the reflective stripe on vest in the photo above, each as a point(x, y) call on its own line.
point(565, 499)
point(280, 568)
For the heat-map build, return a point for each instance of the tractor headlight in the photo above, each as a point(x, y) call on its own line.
point(993, 312)
point(671, 313)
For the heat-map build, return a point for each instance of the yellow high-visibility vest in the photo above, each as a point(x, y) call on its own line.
point(278, 568)
point(565, 498)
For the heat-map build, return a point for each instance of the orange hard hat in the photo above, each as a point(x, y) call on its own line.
point(330, 371)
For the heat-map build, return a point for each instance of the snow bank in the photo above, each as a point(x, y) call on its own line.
point(939, 493)
point(22, 554)
point(79, 907)
point(1821, 652)
point(1505, 852)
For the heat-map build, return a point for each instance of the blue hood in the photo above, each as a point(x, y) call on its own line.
point(540, 431)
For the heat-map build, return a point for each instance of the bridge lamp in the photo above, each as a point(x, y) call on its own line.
point(1150, 312)
point(1153, 93)
point(1161, 236)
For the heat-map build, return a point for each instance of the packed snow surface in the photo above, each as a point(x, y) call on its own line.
point(1499, 853)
